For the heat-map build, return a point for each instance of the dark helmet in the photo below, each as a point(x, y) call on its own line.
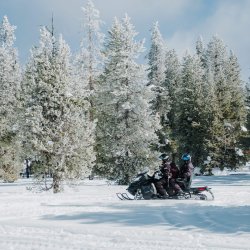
point(164, 157)
point(186, 157)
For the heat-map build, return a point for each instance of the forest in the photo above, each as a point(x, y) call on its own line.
point(103, 111)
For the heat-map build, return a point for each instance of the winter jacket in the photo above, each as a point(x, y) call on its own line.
point(186, 170)
point(174, 171)
point(165, 168)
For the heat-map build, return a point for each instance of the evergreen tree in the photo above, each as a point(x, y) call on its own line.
point(126, 128)
point(89, 60)
point(229, 115)
point(191, 120)
point(10, 77)
point(245, 140)
point(201, 51)
point(212, 61)
point(172, 83)
point(56, 130)
point(156, 75)
point(237, 113)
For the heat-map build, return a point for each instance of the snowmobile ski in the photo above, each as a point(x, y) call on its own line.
point(126, 197)
point(119, 195)
point(123, 196)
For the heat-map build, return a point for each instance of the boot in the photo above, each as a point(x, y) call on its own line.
point(180, 193)
point(163, 196)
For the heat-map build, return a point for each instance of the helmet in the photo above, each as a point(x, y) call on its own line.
point(164, 156)
point(186, 157)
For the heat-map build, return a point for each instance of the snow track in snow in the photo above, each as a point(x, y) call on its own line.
point(90, 217)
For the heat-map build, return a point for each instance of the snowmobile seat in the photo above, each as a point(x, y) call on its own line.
point(185, 184)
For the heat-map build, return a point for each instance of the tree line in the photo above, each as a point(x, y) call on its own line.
point(101, 111)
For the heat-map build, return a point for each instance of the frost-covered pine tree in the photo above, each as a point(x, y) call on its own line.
point(223, 72)
point(126, 128)
point(191, 119)
point(10, 77)
point(216, 62)
point(172, 83)
point(245, 140)
point(172, 77)
point(237, 105)
point(156, 73)
point(89, 61)
point(201, 50)
point(237, 111)
point(57, 132)
point(156, 76)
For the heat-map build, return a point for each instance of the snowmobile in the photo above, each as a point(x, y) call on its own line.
point(142, 188)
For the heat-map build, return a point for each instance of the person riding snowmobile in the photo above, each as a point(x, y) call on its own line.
point(186, 170)
point(174, 175)
point(162, 176)
point(143, 186)
point(182, 177)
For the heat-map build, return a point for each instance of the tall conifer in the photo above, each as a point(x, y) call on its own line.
point(56, 130)
point(125, 128)
point(10, 77)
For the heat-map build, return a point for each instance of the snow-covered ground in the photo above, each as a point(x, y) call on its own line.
point(89, 216)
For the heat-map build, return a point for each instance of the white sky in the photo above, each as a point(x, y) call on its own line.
point(181, 21)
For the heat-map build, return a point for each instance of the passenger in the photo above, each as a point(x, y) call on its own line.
point(181, 178)
point(162, 181)
point(186, 171)
point(174, 175)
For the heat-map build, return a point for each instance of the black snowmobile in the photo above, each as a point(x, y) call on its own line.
point(142, 187)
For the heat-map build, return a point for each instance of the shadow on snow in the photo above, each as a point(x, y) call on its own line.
point(227, 180)
point(217, 219)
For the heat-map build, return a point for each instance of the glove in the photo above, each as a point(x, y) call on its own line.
point(180, 179)
point(158, 175)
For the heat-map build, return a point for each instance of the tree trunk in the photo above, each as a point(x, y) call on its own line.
point(58, 176)
point(56, 182)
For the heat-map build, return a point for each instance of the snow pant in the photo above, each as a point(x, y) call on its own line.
point(174, 185)
point(27, 172)
point(160, 186)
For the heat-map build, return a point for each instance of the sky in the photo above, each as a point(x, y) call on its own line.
point(181, 22)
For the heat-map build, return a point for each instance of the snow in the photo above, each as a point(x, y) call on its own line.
point(90, 216)
point(243, 128)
